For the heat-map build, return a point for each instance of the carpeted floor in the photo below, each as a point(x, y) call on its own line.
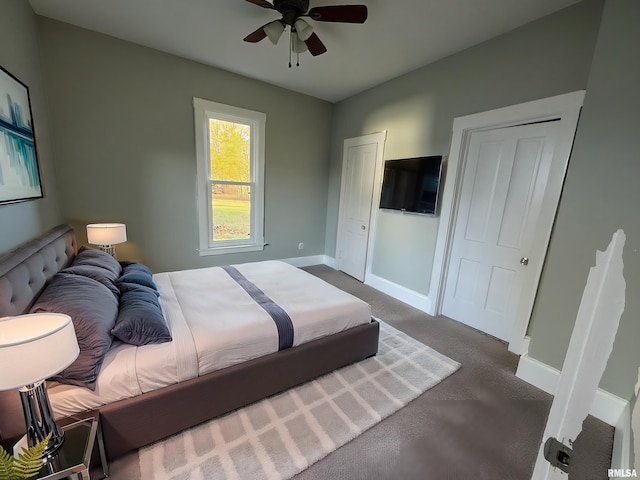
point(482, 423)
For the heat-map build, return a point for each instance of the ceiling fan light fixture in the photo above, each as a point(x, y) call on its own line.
point(304, 29)
point(297, 44)
point(274, 30)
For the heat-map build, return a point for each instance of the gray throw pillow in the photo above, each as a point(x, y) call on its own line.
point(102, 275)
point(93, 309)
point(97, 258)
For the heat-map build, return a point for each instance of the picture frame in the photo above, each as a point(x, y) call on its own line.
point(19, 166)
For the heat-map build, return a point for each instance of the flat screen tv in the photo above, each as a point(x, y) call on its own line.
point(411, 185)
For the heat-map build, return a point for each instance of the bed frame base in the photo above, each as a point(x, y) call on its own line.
point(133, 423)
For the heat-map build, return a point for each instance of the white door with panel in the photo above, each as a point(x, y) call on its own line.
point(362, 159)
point(498, 241)
point(591, 343)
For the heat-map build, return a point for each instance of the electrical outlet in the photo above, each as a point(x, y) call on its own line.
point(300, 246)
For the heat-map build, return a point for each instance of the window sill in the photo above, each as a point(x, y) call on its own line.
point(204, 252)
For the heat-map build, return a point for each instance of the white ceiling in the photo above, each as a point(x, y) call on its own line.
point(399, 35)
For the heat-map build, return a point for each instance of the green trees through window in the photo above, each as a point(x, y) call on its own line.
point(230, 176)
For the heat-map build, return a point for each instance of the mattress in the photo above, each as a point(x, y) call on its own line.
point(216, 323)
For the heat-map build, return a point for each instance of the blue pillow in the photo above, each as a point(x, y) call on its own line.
point(140, 320)
point(126, 286)
point(134, 266)
point(93, 309)
point(133, 272)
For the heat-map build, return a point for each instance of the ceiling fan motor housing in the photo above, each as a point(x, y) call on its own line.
point(291, 9)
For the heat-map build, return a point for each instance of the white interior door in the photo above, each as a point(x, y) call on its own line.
point(362, 160)
point(497, 243)
point(602, 305)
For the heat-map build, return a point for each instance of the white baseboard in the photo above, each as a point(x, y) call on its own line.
point(307, 261)
point(404, 294)
point(607, 407)
point(538, 374)
point(410, 297)
point(330, 262)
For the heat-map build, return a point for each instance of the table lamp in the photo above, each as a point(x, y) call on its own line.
point(107, 235)
point(34, 347)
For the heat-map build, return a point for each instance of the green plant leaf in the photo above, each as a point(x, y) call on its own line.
point(25, 465)
point(6, 464)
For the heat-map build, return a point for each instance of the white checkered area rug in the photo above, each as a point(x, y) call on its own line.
point(280, 436)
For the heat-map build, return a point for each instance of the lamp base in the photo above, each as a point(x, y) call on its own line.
point(39, 418)
point(110, 249)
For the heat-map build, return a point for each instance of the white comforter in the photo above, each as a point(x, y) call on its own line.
point(216, 324)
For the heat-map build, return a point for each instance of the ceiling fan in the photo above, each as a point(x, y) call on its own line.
point(302, 36)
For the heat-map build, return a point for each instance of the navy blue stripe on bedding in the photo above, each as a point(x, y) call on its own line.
point(277, 313)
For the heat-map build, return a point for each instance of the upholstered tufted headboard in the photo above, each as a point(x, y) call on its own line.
point(23, 275)
point(25, 270)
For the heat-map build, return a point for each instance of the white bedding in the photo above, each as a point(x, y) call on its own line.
point(215, 324)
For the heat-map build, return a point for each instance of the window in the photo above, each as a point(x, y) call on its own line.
point(230, 155)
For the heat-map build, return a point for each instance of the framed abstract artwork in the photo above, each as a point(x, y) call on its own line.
point(19, 171)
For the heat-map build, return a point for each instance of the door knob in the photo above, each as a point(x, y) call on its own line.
point(363, 227)
point(524, 261)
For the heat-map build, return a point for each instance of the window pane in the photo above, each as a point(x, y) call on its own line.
point(230, 147)
point(231, 212)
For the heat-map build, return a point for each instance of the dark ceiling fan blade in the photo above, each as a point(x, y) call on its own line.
point(255, 37)
point(261, 3)
point(315, 45)
point(339, 13)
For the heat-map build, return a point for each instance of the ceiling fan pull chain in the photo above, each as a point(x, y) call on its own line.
point(290, 45)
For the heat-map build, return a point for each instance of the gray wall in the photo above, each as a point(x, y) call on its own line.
point(601, 195)
point(19, 55)
point(122, 124)
point(122, 120)
point(544, 58)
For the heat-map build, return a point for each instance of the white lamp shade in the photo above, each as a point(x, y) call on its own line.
point(274, 30)
point(35, 347)
point(298, 46)
point(106, 233)
point(304, 29)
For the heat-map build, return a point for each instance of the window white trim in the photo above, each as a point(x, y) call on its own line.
point(204, 110)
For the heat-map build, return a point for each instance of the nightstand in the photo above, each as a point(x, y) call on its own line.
point(74, 456)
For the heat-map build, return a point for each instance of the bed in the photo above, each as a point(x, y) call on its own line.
point(206, 369)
